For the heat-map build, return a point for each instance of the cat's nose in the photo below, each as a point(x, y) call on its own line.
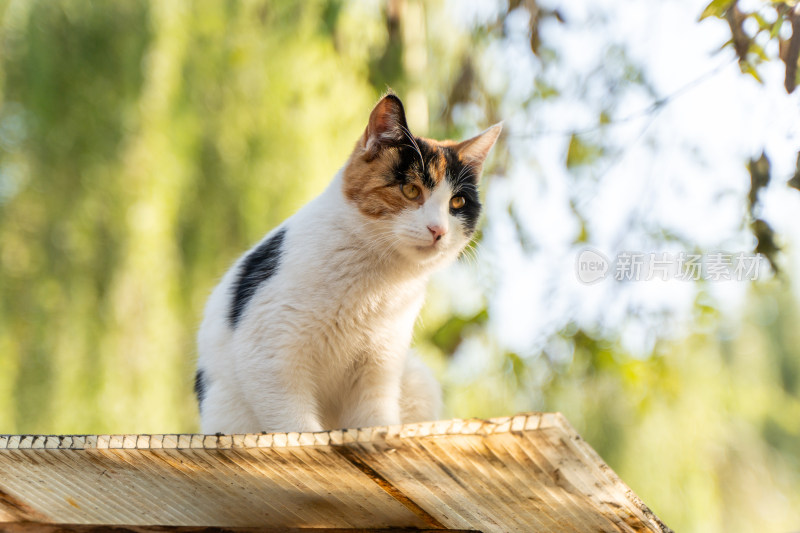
point(437, 232)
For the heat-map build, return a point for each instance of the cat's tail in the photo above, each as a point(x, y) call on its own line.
point(421, 395)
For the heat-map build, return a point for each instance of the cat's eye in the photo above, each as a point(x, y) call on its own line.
point(411, 191)
point(457, 202)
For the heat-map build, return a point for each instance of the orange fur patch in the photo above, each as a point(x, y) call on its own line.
point(365, 184)
point(438, 145)
point(437, 166)
point(365, 177)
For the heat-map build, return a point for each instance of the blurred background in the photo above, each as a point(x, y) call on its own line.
point(145, 145)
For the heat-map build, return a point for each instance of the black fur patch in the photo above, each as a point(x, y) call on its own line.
point(200, 387)
point(463, 178)
point(257, 268)
point(410, 164)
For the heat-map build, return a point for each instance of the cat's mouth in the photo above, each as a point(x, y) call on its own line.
point(429, 248)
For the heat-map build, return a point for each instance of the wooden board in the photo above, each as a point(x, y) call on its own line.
point(525, 473)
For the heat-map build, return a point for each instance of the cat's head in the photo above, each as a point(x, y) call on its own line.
point(419, 196)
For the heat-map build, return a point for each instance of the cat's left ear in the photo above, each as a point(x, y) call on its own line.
point(387, 126)
point(475, 150)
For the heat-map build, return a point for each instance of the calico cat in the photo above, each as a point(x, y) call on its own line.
point(310, 329)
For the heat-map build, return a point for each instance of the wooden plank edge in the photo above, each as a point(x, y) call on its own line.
point(37, 527)
point(592, 456)
point(472, 426)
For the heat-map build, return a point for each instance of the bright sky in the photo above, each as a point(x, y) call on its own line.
point(682, 169)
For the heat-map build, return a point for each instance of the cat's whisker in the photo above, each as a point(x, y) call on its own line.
point(470, 254)
point(414, 142)
point(385, 244)
point(466, 185)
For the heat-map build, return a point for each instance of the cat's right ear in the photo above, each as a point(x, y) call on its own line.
point(387, 126)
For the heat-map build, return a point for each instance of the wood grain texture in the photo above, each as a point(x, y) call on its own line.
point(530, 472)
point(31, 527)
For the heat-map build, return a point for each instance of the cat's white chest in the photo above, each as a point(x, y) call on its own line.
point(332, 306)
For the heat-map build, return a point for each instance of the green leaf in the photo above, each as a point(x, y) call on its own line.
point(758, 50)
point(450, 334)
point(716, 8)
point(748, 68)
point(581, 152)
point(762, 22)
point(775, 28)
point(516, 366)
point(545, 90)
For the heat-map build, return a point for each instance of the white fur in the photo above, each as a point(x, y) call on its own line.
point(324, 342)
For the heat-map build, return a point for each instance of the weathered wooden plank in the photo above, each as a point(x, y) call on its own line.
point(29, 527)
point(526, 473)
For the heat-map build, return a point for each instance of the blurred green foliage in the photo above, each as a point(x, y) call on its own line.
point(145, 145)
point(755, 26)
